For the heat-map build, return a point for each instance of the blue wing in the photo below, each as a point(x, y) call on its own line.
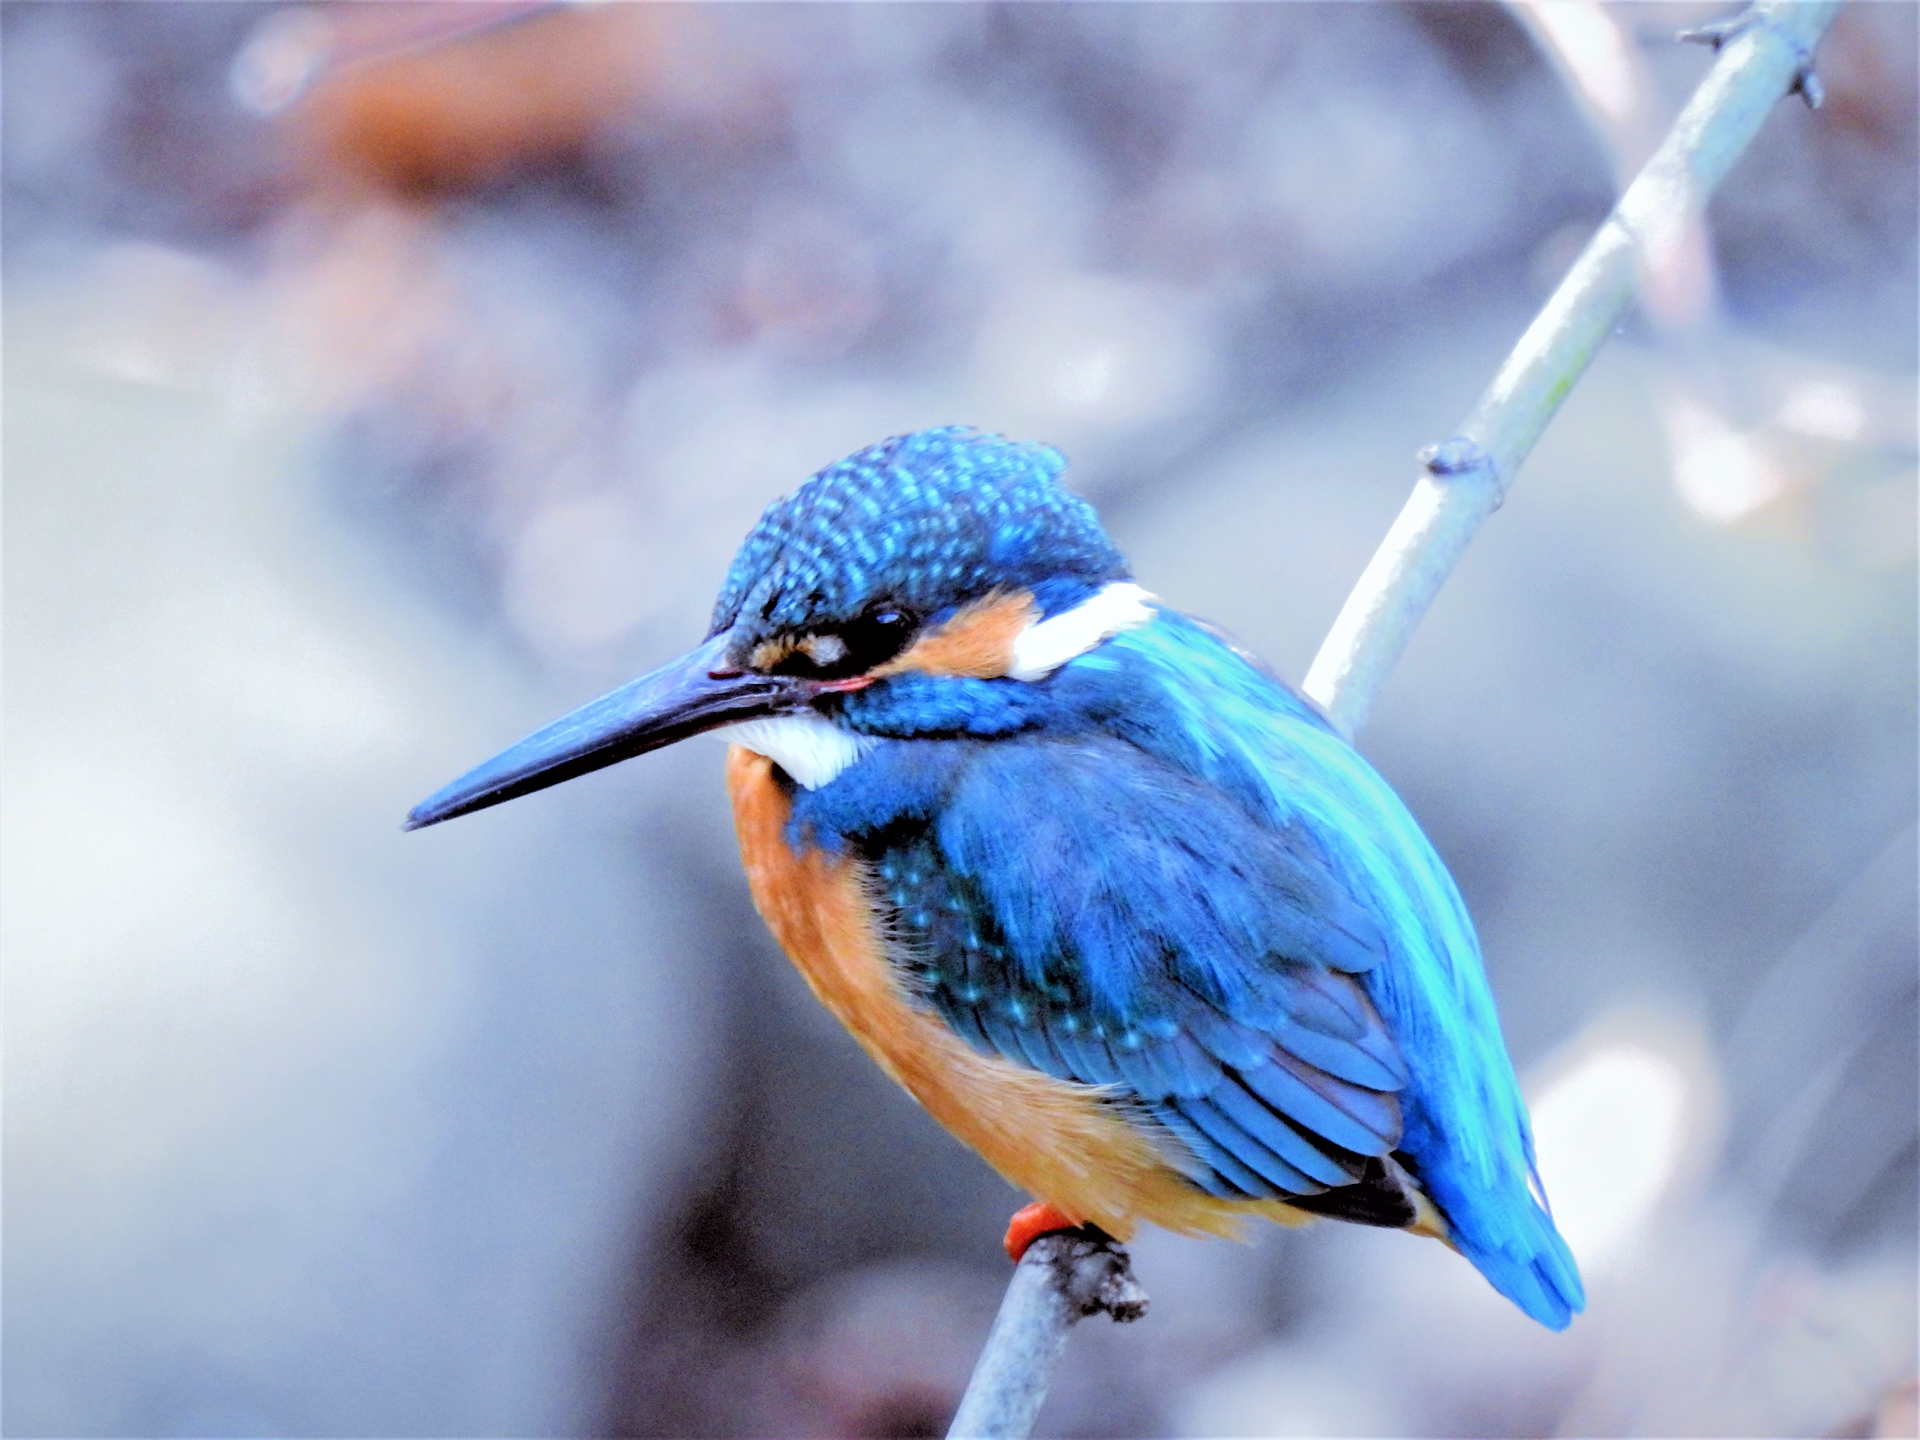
point(1074, 904)
point(1190, 699)
point(1077, 906)
point(1170, 876)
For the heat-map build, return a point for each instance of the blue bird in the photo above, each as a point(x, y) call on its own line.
point(1116, 905)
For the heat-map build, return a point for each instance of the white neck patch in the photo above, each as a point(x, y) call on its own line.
point(1046, 645)
point(810, 748)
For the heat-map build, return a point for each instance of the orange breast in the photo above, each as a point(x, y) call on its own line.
point(1060, 1142)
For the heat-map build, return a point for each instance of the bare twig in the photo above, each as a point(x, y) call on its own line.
point(1061, 1280)
point(1763, 56)
point(1467, 476)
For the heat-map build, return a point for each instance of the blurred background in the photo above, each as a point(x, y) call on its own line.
point(382, 380)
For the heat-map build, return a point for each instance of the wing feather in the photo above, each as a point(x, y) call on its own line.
point(1196, 1071)
point(1273, 1131)
point(1228, 1041)
point(1214, 1169)
point(1086, 1055)
point(1040, 1052)
point(1227, 1133)
point(1140, 1065)
point(1343, 1061)
point(1297, 1090)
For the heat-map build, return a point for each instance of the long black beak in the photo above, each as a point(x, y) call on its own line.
point(690, 695)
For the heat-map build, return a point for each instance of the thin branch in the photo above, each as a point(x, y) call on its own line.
point(1061, 1280)
point(1764, 54)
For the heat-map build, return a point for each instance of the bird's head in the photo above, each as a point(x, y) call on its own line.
point(945, 555)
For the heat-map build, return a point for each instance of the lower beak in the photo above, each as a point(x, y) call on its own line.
point(686, 697)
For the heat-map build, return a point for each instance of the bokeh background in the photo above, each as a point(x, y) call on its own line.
point(381, 380)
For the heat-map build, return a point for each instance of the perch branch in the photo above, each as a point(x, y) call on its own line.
point(1765, 54)
point(1061, 1280)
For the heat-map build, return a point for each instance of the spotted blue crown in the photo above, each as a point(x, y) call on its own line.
point(926, 521)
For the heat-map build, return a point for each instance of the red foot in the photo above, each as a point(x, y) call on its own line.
point(1030, 1222)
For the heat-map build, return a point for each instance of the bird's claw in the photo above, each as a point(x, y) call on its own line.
point(1030, 1222)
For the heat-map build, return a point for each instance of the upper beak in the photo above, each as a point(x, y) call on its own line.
point(685, 697)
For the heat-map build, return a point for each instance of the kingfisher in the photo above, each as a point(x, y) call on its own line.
point(1116, 905)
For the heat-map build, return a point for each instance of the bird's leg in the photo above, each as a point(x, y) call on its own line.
point(1030, 1222)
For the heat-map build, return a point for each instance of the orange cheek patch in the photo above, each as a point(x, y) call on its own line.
point(977, 642)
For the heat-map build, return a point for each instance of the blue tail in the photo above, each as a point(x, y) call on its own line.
point(1530, 1265)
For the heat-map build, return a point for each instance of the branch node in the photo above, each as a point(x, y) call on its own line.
point(1719, 32)
point(1806, 84)
point(1452, 459)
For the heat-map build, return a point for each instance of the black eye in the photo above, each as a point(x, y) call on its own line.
point(852, 649)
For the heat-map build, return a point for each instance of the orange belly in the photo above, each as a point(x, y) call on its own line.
point(1062, 1143)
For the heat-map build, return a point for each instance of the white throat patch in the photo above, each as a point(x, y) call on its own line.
point(1046, 645)
point(810, 748)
